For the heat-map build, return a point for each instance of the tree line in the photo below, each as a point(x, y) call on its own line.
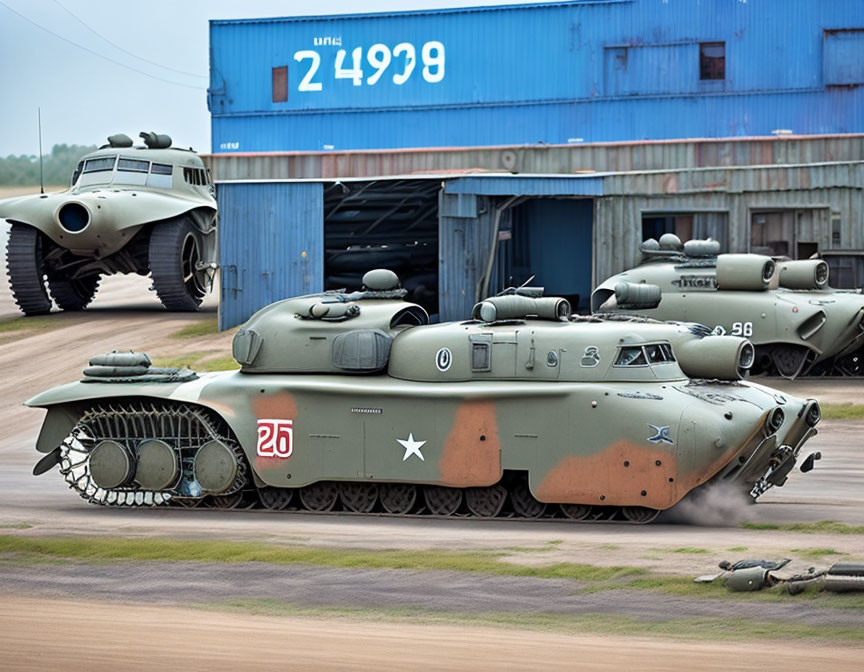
point(57, 166)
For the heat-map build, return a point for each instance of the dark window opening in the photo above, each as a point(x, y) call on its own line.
point(133, 165)
point(96, 165)
point(659, 353)
point(773, 233)
point(631, 356)
point(195, 176)
point(161, 169)
point(77, 172)
point(280, 84)
point(712, 60)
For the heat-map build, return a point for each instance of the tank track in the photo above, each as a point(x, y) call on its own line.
point(26, 270)
point(254, 499)
point(185, 428)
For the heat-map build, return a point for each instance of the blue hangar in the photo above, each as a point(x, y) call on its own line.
point(468, 149)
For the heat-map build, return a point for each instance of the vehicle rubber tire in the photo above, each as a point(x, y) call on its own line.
point(175, 282)
point(26, 270)
point(73, 294)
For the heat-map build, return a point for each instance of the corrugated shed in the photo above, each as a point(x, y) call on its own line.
point(538, 159)
point(822, 196)
point(271, 240)
point(592, 70)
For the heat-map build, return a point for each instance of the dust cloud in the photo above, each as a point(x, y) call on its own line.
point(719, 505)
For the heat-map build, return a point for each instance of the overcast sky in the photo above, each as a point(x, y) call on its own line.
point(85, 96)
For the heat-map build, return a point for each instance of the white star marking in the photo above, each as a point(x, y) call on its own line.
point(412, 447)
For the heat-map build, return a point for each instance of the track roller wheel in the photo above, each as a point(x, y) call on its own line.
point(320, 496)
point(442, 501)
point(359, 497)
point(524, 503)
point(24, 264)
point(232, 501)
point(398, 497)
point(575, 511)
point(639, 515)
point(486, 502)
point(175, 251)
point(275, 499)
point(73, 294)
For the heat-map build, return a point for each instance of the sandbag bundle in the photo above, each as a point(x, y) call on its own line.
point(132, 367)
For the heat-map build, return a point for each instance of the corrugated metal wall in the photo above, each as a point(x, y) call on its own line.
point(466, 229)
point(593, 70)
point(825, 194)
point(271, 241)
point(542, 160)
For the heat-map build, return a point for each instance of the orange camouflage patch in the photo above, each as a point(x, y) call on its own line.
point(616, 476)
point(472, 452)
point(279, 406)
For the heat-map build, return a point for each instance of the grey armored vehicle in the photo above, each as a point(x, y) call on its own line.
point(798, 324)
point(130, 209)
point(353, 401)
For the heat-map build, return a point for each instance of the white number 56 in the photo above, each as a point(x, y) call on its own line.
point(744, 329)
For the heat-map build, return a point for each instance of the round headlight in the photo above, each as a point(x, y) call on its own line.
point(814, 414)
point(774, 421)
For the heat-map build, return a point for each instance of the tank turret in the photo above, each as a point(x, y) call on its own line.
point(797, 323)
point(330, 332)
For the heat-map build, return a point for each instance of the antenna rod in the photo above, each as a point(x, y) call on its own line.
point(41, 181)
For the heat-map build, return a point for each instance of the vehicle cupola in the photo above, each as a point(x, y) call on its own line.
point(155, 140)
point(329, 332)
point(521, 303)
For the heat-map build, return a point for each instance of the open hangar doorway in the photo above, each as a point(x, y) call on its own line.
point(386, 223)
point(549, 239)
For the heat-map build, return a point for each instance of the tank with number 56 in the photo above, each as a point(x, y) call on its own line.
point(798, 324)
point(351, 400)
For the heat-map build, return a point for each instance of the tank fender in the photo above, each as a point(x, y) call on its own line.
point(66, 403)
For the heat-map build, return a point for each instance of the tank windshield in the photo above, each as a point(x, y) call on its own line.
point(161, 176)
point(97, 171)
point(77, 173)
point(643, 355)
point(131, 171)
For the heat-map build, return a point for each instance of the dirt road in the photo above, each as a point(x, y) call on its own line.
point(55, 634)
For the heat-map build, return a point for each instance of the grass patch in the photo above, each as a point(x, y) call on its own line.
point(96, 549)
point(198, 329)
point(690, 550)
point(822, 527)
point(816, 552)
point(178, 361)
point(198, 361)
point(609, 547)
point(737, 549)
point(725, 629)
point(16, 526)
point(218, 364)
point(842, 411)
point(22, 323)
